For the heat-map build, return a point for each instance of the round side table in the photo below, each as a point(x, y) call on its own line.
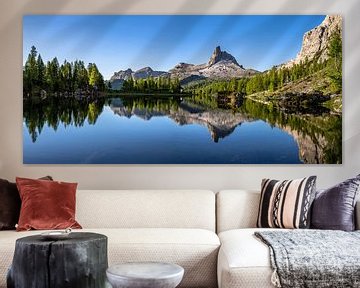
point(78, 261)
point(145, 275)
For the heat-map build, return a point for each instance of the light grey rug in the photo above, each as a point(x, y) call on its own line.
point(314, 258)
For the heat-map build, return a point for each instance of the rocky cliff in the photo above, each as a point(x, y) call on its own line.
point(315, 41)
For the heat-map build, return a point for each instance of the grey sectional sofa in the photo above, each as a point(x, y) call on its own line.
point(210, 235)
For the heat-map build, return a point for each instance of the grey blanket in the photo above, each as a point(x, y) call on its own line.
point(314, 258)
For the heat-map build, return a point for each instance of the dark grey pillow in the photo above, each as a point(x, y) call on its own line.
point(334, 208)
point(9, 205)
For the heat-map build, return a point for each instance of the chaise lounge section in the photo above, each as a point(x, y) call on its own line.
point(244, 260)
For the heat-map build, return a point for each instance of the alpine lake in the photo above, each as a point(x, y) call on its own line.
point(176, 129)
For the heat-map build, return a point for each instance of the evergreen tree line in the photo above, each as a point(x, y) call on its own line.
point(276, 78)
point(271, 80)
point(52, 77)
point(334, 71)
point(54, 111)
point(152, 85)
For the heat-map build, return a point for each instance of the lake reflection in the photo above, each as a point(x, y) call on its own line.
point(171, 129)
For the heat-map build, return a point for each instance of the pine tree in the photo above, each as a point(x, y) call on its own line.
point(66, 77)
point(96, 80)
point(41, 71)
point(335, 62)
point(82, 77)
point(52, 75)
point(30, 74)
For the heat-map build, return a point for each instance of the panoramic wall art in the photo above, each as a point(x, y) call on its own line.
point(182, 89)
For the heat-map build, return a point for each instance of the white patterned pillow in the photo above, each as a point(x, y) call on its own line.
point(286, 204)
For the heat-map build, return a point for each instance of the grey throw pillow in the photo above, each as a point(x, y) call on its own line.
point(334, 208)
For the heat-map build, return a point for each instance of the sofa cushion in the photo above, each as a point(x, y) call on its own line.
point(146, 209)
point(10, 204)
point(286, 204)
point(46, 204)
point(334, 208)
point(194, 249)
point(236, 209)
point(244, 261)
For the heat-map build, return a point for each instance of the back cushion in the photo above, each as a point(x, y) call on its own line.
point(146, 209)
point(236, 209)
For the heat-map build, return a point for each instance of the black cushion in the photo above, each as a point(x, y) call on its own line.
point(9, 205)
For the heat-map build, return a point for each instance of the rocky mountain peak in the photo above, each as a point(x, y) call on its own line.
point(219, 55)
point(122, 74)
point(183, 65)
point(145, 69)
point(316, 41)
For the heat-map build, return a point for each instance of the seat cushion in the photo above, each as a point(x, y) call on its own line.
point(244, 261)
point(153, 209)
point(196, 250)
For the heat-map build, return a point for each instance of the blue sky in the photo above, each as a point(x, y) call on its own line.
point(118, 42)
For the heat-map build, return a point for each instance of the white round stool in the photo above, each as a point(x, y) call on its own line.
point(145, 275)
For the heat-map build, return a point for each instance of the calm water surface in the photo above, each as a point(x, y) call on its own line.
point(158, 130)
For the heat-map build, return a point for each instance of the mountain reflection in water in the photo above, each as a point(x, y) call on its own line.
point(317, 136)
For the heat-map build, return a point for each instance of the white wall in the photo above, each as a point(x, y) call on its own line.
point(213, 177)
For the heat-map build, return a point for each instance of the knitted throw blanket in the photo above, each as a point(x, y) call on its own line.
point(313, 258)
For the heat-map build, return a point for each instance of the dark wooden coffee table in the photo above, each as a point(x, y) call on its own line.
point(78, 261)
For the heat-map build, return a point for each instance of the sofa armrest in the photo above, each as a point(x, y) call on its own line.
point(357, 215)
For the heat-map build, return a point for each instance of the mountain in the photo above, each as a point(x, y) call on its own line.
point(148, 72)
point(221, 65)
point(119, 77)
point(219, 55)
point(310, 88)
point(315, 41)
point(122, 74)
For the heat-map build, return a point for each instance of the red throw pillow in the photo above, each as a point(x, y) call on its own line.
point(46, 204)
point(10, 204)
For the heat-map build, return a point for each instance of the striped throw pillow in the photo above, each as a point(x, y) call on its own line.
point(286, 204)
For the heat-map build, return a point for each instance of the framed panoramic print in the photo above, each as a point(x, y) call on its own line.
point(182, 89)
